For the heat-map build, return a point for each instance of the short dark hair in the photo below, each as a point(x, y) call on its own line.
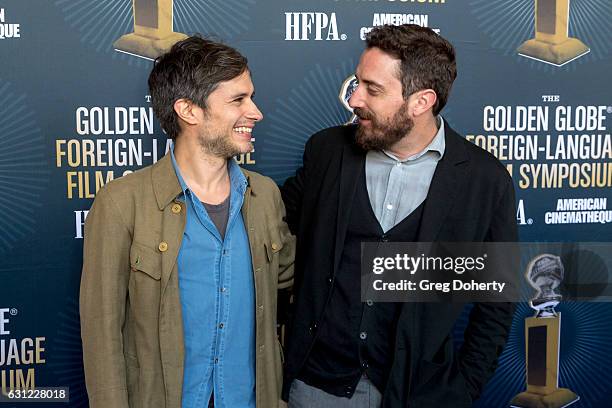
point(192, 69)
point(427, 59)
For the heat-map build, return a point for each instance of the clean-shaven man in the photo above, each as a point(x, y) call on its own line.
point(183, 259)
point(401, 174)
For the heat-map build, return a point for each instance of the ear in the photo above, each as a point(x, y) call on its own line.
point(423, 101)
point(185, 110)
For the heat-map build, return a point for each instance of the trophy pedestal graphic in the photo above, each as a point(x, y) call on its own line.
point(153, 33)
point(552, 43)
point(542, 345)
point(542, 339)
point(146, 47)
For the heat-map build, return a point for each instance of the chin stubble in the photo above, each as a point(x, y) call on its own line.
point(220, 146)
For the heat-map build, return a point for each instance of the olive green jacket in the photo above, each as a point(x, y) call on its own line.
point(131, 323)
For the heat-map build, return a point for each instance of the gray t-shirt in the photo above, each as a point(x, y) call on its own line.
point(219, 214)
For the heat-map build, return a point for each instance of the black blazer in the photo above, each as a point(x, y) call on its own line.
point(471, 199)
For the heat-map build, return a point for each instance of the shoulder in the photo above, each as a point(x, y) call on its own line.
point(483, 163)
point(259, 181)
point(265, 194)
point(126, 187)
point(261, 184)
point(333, 137)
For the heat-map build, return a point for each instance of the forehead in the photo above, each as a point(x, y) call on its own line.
point(240, 84)
point(378, 66)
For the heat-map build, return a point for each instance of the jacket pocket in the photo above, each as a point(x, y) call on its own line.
point(273, 244)
point(145, 259)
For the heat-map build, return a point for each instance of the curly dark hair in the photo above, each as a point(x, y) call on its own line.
point(192, 69)
point(427, 59)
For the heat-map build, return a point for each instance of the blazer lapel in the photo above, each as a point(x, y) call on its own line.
point(448, 179)
point(350, 166)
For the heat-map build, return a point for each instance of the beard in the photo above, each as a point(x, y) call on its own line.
point(381, 135)
point(220, 145)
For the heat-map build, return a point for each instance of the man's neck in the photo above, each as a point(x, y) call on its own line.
point(419, 137)
point(205, 174)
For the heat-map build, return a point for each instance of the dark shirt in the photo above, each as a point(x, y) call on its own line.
point(219, 214)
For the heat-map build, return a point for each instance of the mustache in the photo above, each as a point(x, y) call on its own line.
point(363, 114)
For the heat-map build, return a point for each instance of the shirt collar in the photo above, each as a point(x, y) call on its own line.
point(238, 180)
point(437, 145)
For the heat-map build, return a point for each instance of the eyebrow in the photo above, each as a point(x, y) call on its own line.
point(368, 82)
point(242, 95)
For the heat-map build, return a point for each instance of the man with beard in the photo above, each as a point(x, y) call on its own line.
point(402, 174)
point(183, 259)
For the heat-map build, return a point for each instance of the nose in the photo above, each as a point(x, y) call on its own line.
point(254, 113)
point(356, 99)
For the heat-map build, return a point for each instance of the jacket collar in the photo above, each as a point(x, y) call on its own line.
point(449, 178)
point(166, 185)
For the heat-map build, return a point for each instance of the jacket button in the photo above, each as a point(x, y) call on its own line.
point(176, 208)
point(163, 246)
point(313, 328)
point(274, 246)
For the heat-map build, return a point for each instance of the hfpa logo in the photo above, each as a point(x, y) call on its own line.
point(315, 25)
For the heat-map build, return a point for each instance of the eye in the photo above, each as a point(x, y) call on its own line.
point(373, 91)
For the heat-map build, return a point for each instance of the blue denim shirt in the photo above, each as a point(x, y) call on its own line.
point(218, 303)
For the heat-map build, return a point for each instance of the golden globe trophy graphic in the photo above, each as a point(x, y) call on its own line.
point(346, 91)
point(153, 32)
point(542, 337)
point(552, 43)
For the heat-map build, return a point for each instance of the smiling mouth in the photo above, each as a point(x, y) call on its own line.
point(244, 130)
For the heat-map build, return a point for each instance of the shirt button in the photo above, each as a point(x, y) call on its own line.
point(176, 208)
point(223, 289)
point(163, 246)
point(398, 164)
point(216, 360)
point(220, 325)
point(274, 246)
point(363, 335)
point(389, 206)
point(369, 302)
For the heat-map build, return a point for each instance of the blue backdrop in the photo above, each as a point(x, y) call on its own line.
point(75, 113)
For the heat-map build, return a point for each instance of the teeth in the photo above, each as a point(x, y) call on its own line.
point(243, 129)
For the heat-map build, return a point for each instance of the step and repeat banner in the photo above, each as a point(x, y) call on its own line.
point(533, 89)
